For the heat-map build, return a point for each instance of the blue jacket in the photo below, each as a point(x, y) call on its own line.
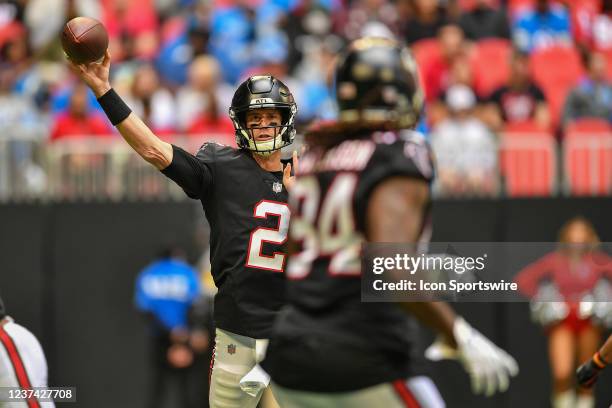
point(166, 289)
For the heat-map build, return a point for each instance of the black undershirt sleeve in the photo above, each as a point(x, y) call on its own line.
point(192, 174)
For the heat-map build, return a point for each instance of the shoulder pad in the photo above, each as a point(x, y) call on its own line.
point(214, 151)
point(407, 152)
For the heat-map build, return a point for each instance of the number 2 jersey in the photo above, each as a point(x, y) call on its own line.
point(326, 339)
point(246, 207)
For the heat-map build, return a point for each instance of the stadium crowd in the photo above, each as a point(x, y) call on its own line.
point(505, 81)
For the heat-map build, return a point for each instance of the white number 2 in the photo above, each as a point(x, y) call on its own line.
point(278, 235)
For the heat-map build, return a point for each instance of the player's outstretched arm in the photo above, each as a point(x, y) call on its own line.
point(132, 128)
point(588, 372)
point(395, 214)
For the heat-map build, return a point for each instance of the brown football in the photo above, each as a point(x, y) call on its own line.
point(84, 40)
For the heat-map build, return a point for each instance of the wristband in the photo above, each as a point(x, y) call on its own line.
point(116, 110)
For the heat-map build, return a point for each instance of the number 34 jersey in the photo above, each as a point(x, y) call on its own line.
point(326, 340)
point(246, 207)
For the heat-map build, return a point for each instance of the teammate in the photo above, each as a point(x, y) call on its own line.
point(244, 193)
point(22, 361)
point(365, 178)
point(588, 372)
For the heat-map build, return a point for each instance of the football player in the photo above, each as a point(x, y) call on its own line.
point(588, 372)
point(22, 362)
point(365, 179)
point(244, 195)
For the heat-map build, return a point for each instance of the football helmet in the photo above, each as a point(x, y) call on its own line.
point(377, 85)
point(261, 92)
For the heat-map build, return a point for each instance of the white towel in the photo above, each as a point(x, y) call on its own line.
point(254, 381)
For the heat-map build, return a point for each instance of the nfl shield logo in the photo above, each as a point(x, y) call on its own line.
point(277, 187)
point(231, 348)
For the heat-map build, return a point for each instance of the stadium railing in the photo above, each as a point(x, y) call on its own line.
point(528, 161)
point(587, 158)
point(31, 169)
point(83, 168)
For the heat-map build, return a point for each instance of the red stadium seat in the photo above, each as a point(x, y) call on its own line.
point(528, 160)
point(608, 55)
point(491, 64)
point(425, 52)
point(587, 157)
point(556, 70)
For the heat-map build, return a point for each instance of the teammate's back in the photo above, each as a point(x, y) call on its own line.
point(365, 179)
point(329, 206)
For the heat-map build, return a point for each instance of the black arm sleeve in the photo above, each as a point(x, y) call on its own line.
point(192, 174)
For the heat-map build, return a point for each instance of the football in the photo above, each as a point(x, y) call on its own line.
point(84, 40)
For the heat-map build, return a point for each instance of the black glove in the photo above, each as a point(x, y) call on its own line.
point(588, 372)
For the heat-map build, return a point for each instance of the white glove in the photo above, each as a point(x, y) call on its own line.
point(489, 367)
point(254, 381)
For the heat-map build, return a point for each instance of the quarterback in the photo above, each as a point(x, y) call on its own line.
point(244, 196)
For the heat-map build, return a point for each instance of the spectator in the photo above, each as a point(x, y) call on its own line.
point(18, 115)
point(548, 24)
point(177, 51)
point(592, 27)
point(593, 95)
point(460, 73)
point(519, 100)
point(152, 102)
point(361, 12)
point(436, 75)
point(307, 26)
point(165, 292)
point(427, 20)
point(231, 36)
point(132, 28)
point(316, 75)
point(465, 150)
point(45, 18)
point(20, 124)
point(78, 120)
point(201, 105)
point(15, 55)
point(485, 20)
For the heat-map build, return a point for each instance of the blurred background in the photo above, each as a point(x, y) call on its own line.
point(518, 112)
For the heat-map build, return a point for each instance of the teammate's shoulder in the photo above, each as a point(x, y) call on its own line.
point(399, 138)
point(402, 151)
point(210, 151)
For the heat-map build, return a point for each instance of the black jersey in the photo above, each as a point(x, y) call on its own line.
point(326, 339)
point(246, 207)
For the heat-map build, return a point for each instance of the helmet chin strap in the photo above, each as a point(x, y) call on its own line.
point(267, 147)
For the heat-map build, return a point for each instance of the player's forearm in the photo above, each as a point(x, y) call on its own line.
point(134, 131)
point(606, 350)
point(438, 316)
point(145, 143)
